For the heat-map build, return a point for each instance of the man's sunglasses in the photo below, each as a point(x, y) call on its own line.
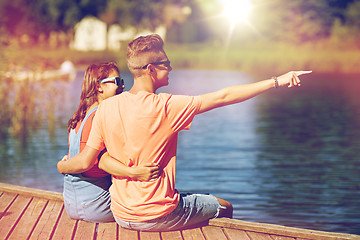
point(165, 63)
point(118, 81)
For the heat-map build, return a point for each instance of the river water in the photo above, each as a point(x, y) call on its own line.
point(289, 156)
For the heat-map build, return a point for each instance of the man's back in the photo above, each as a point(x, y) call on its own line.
point(139, 129)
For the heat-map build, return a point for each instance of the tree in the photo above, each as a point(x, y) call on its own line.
point(17, 18)
point(346, 29)
point(33, 17)
point(294, 21)
point(146, 14)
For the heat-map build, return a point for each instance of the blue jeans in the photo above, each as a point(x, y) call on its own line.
point(193, 209)
point(87, 199)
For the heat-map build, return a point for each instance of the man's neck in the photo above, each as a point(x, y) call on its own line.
point(142, 84)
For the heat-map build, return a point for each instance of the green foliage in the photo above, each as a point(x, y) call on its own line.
point(33, 17)
point(66, 13)
point(347, 32)
point(352, 15)
point(293, 21)
point(143, 14)
point(265, 59)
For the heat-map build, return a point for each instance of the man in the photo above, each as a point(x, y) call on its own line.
point(139, 127)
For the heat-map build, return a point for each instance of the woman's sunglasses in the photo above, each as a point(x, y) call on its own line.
point(118, 81)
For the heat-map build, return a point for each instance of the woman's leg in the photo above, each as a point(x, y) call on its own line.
point(87, 199)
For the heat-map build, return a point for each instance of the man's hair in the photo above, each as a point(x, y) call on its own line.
point(144, 50)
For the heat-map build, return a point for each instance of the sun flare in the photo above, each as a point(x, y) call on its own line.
point(237, 10)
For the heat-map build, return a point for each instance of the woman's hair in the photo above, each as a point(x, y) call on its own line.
point(89, 91)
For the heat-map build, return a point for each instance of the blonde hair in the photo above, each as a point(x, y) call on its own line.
point(144, 50)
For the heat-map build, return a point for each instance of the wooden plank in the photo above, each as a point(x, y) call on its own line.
point(150, 236)
point(9, 220)
point(65, 227)
point(173, 235)
point(13, 208)
point(235, 234)
point(213, 233)
point(274, 237)
point(107, 231)
point(85, 230)
point(280, 230)
point(126, 234)
point(6, 200)
point(48, 220)
point(31, 191)
point(29, 219)
point(193, 234)
point(259, 236)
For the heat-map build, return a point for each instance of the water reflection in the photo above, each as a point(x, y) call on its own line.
point(310, 148)
point(32, 131)
point(287, 157)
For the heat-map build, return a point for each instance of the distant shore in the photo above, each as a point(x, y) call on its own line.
point(254, 58)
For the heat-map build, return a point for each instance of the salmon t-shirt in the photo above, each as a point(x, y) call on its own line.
point(137, 129)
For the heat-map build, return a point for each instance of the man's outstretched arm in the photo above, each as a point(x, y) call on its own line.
point(240, 93)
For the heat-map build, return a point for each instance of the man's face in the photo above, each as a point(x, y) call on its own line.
point(162, 69)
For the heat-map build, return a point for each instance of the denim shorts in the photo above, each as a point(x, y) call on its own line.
point(87, 199)
point(192, 210)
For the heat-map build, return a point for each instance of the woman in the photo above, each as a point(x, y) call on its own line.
point(86, 194)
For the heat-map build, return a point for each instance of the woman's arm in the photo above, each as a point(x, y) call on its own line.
point(240, 93)
point(86, 159)
point(79, 163)
point(140, 173)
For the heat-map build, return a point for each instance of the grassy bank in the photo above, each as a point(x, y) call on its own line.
point(267, 59)
point(252, 58)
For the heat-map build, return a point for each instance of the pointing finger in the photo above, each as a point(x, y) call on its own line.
point(298, 73)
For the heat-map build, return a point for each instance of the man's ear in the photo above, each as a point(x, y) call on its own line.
point(151, 68)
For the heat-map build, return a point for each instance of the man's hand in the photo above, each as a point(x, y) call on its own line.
point(291, 79)
point(146, 172)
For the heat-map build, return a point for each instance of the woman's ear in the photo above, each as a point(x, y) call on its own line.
point(100, 90)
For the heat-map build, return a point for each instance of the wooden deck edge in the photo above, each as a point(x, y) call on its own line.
point(33, 192)
point(279, 230)
point(219, 222)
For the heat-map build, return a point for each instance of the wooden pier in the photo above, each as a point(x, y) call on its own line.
point(27, 213)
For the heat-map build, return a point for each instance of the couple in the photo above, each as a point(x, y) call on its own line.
point(139, 130)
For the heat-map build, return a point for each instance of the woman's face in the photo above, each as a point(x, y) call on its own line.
point(110, 88)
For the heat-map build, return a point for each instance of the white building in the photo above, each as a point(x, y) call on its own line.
point(90, 35)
